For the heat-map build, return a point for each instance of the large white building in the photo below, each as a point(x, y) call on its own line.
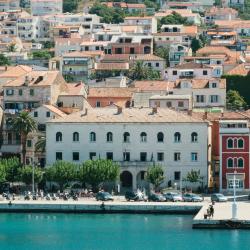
point(46, 7)
point(137, 138)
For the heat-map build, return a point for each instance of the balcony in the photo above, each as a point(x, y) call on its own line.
point(13, 147)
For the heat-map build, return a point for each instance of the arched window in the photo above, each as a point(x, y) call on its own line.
point(194, 137)
point(58, 136)
point(75, 136)
point(177, 137)
point(240, 163)
point(143, 137)
point(230, 163)
point(126, 137)
point(160, 137)
point(109, 137)
point(230, 143)
point(240, 143)
point(92, 137)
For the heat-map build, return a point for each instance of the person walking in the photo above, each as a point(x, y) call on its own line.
point(212, 211)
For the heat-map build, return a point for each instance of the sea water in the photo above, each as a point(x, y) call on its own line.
point(113, 231)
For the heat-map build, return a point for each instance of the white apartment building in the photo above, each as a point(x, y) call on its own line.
point(136, 138)
point(193, 71)
point(46, 7)
point(7, 5)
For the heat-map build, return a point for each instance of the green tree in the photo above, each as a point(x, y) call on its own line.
point(235, 101)
point(48, 45)
point(194, 177)
point(155, 175)
point(70, 5)
point(2, 174)
point(12, 47)
point(12, 166)
point(4, 60)
point(196, 44)
point(41, 54)
point(142, 72)
point(25, 174)
point(163, 52)
point(23, 124)
point(68, 78)
point(96, 172)
point(40, 145)
point(174, 18)
point(62, 173)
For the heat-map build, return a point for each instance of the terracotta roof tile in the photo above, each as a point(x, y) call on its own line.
point(112, 66)
point(110, 92)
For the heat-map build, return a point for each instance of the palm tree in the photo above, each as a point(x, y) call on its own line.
point(23, 124)
point(40, 144)
point(138, 71)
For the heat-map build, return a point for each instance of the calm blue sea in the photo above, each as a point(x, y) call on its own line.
point(113, 231)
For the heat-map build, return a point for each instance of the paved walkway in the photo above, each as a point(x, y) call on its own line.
point(223, 211)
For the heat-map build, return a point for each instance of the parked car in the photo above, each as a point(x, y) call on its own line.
point(218, 198)
point(192, 197)
point(172, 196)
point(135, 196)
point(156, 197)
point(104, 196)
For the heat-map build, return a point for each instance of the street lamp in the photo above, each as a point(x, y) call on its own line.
point(234, 205)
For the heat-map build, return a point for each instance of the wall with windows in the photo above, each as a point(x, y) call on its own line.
point(178, 147)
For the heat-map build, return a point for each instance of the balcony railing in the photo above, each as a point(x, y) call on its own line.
point(136, 163)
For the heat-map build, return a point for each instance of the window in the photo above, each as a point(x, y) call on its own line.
point(109, 156)
point(31, 92)
point(10, 92)
point(200, 98)
point(132, 50)
point(194, 156)
point(98, 104)
point(177, 156)
point(59, 156)
point(174, 72)
point(109, 137)
point(47, 114)
point(143, 156)
point(75, 136)
point(180, 104)
point(143, 137)
point(194, 137)
point(126, 137)
point(92, 137)
point(160, 137)
point(126, 156)
point(238, 184)
point(58, 136)
point(35, 114)
point(20, 92)
point(75, 156)
point(204, 72)
point(214, 85)
point(230, 163)
point(29, 143)
point(169, 104)
point(160, 156)
point(230, 143)
point(157, 65)
point(240, 163)
point(149, 64)
point(214, 98)
point(92, 155)
point(177, 175)
point(240, 143)
point(177, 137)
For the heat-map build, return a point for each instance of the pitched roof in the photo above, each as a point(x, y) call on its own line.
point(17, 71)
point(110, 92)
point(192, 65)
point(129, 115)
point(240, 69)
point(54, 110)
point(112, 66)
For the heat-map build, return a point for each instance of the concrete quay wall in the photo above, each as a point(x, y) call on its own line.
point(100, 208)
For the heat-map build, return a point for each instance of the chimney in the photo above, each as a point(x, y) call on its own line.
point(26, 80)
point(6, 68)
point(205, 115)
point(222, 114)
point(190, 112)
point(154, 110)
point(119, 110)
